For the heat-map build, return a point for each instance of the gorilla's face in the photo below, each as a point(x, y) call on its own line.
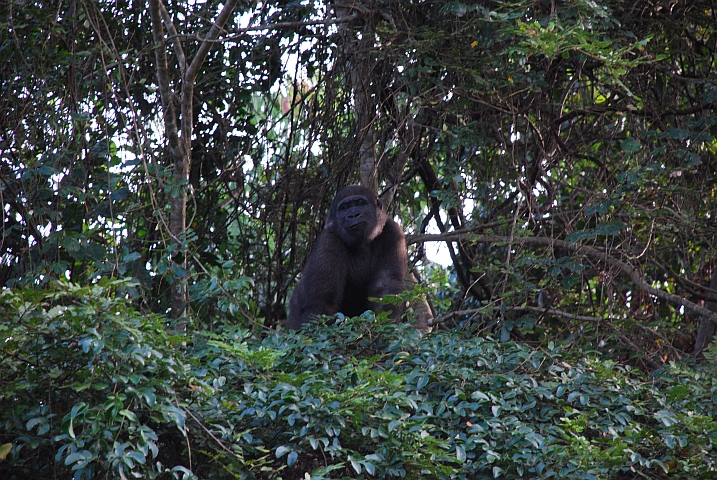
point(356, 216)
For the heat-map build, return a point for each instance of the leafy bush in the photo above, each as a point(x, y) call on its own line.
point(364, 397)
point(90, 386)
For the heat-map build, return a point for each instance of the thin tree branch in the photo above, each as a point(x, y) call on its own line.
point(271, 26)
point(206, 45)
point(174, 37)
point(165, 94)
point(576, 248)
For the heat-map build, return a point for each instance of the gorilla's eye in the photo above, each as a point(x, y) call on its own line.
point(359, 202)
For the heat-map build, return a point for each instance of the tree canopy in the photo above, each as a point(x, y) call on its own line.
point(165, 169)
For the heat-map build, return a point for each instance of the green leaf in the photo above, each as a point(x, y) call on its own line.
point(610, 228)
point(281, 451)
point(581, 235)
point(34, 421)
point(129, 415)
point(131, 257)
point(355, 464)
point(630, 145)
point(81, 458)
point(393, 425)
point(666, 417)
point(460, 453)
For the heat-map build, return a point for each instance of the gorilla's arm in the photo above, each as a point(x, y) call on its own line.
point(321, 287)
point(391, 267)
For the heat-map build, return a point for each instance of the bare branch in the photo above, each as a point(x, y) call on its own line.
point(192, 70)
point(592, 252)
point(270, 26)
point(542, 310)
point(165, 94)
point(206, 45)
point(178, 50)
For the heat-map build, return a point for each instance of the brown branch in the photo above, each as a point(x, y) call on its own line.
point(706, 332)
point(688, 285)
point(178, 50)
point(13, 201)
point(592, 252)
point(165, 94)
point(546, 311)
point(560, 314)
point(192, 70)
point(213, 437)
point(272, 26)
point(206, 45)
point(634, 111)
point(585, 318)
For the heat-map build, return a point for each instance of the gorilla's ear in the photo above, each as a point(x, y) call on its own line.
point(379, 204)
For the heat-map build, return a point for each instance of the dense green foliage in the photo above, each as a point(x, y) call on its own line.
point(563, 154)
point(119, 397)
point(588, 122)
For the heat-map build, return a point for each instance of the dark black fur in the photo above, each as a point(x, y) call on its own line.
point(361, 253)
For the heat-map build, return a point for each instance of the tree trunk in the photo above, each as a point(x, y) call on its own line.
point(358, 48)
point(421, 308)
point(178, 227)
point(180, 146)
point(706, 332)
point(365, 105)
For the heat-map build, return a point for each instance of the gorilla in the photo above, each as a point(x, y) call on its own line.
point(361, 253)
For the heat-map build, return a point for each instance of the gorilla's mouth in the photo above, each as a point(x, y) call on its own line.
point(355, 226)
